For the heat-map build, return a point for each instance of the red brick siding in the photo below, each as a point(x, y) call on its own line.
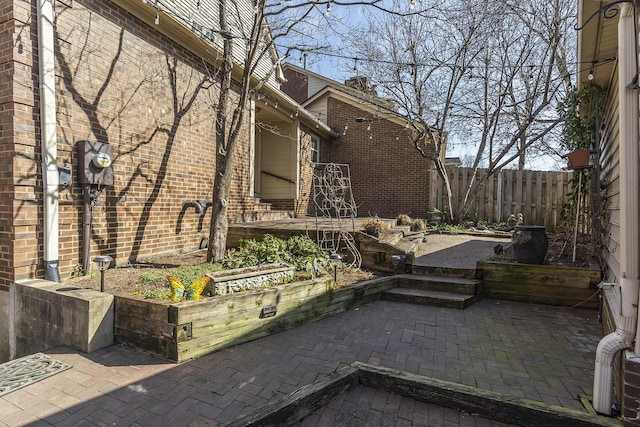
point(388, 175)
point(296, 86)
point(162, 156)
point(631, 390)
point(305, 204)
point(20, 183)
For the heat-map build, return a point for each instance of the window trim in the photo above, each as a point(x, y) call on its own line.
point(314, 148)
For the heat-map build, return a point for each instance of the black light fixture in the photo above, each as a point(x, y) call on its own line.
point(103, 261)
point(336, 259)
point(396, 260)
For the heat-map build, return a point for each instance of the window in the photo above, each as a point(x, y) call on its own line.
point(315, 149)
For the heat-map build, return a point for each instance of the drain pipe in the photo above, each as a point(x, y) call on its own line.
point(50, 177)
point(624, 335)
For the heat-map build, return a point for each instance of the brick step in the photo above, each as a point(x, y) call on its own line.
point(428, 297)
point(439, 283)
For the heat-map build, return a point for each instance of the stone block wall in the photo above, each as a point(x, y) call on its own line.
point(48, 314)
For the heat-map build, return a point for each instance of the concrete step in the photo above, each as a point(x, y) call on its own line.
point(392, 237)
point(439, 283)
point(405, 229)
point(428, 297)
point(410, 243)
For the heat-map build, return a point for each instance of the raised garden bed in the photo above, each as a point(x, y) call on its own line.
point(491, 405)
point(542, 284)
point(185, 330)
point(243, 279)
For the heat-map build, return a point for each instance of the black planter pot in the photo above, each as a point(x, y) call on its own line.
point(530, 244)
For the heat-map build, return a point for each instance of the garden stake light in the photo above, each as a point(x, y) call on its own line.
point(336, 259)
point(103, 262)
point(396, 259)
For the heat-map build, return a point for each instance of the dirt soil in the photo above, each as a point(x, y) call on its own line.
point(129, 279)
point(561, 252)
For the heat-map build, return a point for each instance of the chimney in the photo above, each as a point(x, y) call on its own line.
point(361, 83)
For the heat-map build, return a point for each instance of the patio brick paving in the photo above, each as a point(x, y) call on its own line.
point(365, 407)
point(539, 352)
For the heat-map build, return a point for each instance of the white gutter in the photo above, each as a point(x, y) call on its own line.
point(629, 207)
point(50, 177)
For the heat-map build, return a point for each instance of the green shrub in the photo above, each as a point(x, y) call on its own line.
point(299, 251)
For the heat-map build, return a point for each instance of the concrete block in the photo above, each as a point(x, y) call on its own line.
point(50, 314)
point(4, 326)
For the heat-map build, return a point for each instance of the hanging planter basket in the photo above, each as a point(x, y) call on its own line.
point(579, 159)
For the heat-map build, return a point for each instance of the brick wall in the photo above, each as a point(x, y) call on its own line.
point(631, 390)
point(296, 86)
point(118, 82)
point(305, 203)
point(7, 153)
point(20, 181)
point(388, 175)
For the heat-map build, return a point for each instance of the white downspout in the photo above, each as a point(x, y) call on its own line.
point(629, 207)
point(50, 177)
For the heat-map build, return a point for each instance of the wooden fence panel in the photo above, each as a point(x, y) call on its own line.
point(538, 195)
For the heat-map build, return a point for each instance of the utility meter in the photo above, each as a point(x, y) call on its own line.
point(101, 160)
point(95, 163)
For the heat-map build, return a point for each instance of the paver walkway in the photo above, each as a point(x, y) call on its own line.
point(538, 352)
point(366, 407)
point(457, 250)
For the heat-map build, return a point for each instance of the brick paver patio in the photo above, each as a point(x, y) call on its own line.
point(539, 352)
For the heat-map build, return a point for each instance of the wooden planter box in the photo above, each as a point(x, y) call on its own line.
point(578, 159)
point(542, 284)
point(186, 330)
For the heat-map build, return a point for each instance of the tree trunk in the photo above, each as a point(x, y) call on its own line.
point(224, 155)
point(220, 216)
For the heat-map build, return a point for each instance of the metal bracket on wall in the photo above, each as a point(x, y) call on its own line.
point(183, 332)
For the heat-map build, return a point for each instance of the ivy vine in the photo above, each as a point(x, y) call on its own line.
point(579, 111)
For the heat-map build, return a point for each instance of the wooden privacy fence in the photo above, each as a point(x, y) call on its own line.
point(538, 195)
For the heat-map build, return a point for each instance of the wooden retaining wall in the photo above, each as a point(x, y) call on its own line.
point(186, 330)
point(541, 284)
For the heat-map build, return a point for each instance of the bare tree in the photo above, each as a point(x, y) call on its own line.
point(488, 74)
point(255, 36)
